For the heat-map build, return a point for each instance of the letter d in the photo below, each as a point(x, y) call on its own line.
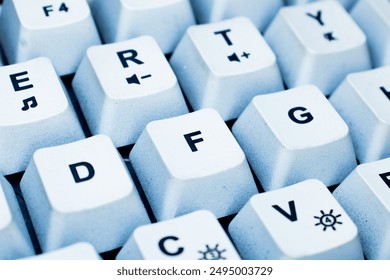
point(75, 173)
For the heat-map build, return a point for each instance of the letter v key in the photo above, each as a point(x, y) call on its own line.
point(292, 216)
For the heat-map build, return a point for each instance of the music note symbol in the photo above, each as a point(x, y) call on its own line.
point(28, 103)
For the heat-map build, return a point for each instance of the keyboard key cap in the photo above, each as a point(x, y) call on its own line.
point(82, 192)
point(181, 238)
point(320, 45)
point(295, 135)
point(372, 17)
point(260, 12)
point(223, 65)
point(165, 20)
point(363, 102)
point(143, 88)
point(365, 195)
point(77, 251)
point(35, 113)
point(192, 162)
point(14, 239)
point(347, 4)
point(59, 29)
point(301, 221)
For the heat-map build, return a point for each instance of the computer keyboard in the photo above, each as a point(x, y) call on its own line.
point(194, 129)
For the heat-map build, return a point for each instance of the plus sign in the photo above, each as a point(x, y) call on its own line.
point(245, 54)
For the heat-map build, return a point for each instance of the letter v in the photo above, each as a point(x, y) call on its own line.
point(292, 216)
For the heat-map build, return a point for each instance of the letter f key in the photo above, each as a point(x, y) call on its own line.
point(192, 162)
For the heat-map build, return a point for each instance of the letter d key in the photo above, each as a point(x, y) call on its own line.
point(71, 186)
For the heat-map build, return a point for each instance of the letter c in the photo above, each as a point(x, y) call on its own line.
point(161, 245)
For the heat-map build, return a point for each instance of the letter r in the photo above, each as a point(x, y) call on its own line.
point(124, 58)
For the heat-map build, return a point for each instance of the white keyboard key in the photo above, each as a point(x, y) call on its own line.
point(320, 45)
point(35, 113)
point(182, 238)
point(223, 65)
point(365, 195)
point(77, 251)
point(295, 135)
point(143, 88)
point(363, 101)
point(192, 162)
point(372, 17)
point(260, 12)
point(58, 29)
point(301, 221)
point(82, 192)
point(347, 4)
point(165, 20)
point(14, 239)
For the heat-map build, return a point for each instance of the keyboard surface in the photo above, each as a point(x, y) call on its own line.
point(129, 127)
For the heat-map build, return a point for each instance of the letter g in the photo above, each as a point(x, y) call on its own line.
point(303, 117)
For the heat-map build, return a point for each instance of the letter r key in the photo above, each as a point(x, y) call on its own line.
point(133, 84)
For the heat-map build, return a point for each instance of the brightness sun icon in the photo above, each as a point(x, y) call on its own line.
point(328, 220)
point(212, 253)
